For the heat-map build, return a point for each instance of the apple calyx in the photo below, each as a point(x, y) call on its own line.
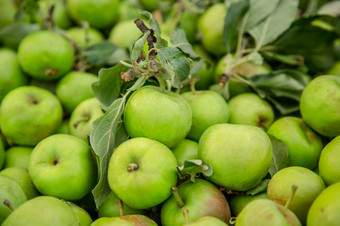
point(294, 188)
point(32, 100)
point(132, 167)
point(185, 213)
point(85, 118)
point(49, 72)
point(9, 205)
point(178, 198)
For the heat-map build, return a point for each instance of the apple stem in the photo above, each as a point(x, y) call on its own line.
point(121, 207)
point(185, 213)
point(9, 205)
point(192, 84)
point(294, 188)
point(132, 167)
point(178, 199)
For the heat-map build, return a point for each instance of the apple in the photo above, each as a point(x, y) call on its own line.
point(185, 150)
point(309, 186)
point(60, 16)
point(124, 221)
point(188, 22)
point(80, 214)
point(266, 212)
point(75, 87)
point(250, 109)
point(201, 198)
point(152, 5)
point(2, 154)
point(42, 210)
point(83, 116)
point(142, 172)
point(156, 114)
point(210, 24)
point(13, 193)
point(238, 202)
point(21, 176)
point(57, 52)
point(64, 127)
point(199, 102)
point(320, 105)
point(7, 12)
point(99, 14)
point(326, 207)
point(125, 33)
point(11, 75)
point(29, 114)
point(335, 69)
point(79, 35)
point(63, 166)
point(228, 148)
point(329, 169)
point(18, 157)
point(304, 145)
point(110, 207)
point(207, 220)
point(128, 11)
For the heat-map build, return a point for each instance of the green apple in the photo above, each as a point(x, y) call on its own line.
point(18, 157)
point(160, 115)
point(128, 220)
point(7, 12)
point(64, 127)
point(320, 105)
point(138, 179)
point(74, 88)
point(309, 186)
point(152, 5)
point(60, 16)
point(207, 220)
point(11, 75)
point(42, 210)
point(128, 11)
point(83, 116)
point(80, 214)
point(84, 38)
point(227, 148)
point(125, 33)
point(210, 24)
point(2, 154)
point(238, 202)
point(199, 102)
point(329, 168)
point(250, 109)
point(201, 198)
point(29, 114)
point(185, 150)
point(21, 176)
point(266, 212)
point(11, 191)
point(99, 14)
point(188, 22)
point(335, 70)
point(325, 208)
point(110, 207)
point(304, 145)
point(63, 166)
point(45, 55)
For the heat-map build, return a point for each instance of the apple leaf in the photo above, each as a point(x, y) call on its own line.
point(280, 157)
point(179, 40)
point(138, 46)
point(330, 8)
point(262, 187)
point(259, 10)
point(192, 168)
point(13, 33)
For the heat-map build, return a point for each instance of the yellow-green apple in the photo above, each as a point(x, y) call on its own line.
point(18, 156)
point(185, 150)
point(85, 38)
point(329, 169)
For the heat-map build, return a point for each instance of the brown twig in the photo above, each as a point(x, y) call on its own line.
point(151, 38)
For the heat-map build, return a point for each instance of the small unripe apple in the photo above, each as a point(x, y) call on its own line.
point(185, 150)
point(238, 202)
point(18, 157)
point(78, 35)
point(124, 221)
point(125, 33)
point(207, 220)
point(329, 168)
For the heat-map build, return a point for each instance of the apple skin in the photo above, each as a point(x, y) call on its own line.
point(227, 148)
point(83, 116)
point(10, 190)
point(128, 220)
point(83, 218)
point(18, 157)
point(202, 119)
point(162, 116)
point(60, 16)
point(206, 73)
point(320, 105)
point(309, 186)
point(266, 212)
point(152, 5)
point(185, 150)
point(250, 109)
point(11, 75)
point(42, 210)
point(238, 202)
point(29, 114)
point(78, 36)
point(64, 127)
point(304, 145)
point(110, 207)
point(57, 52)
point(63, 166)
point(335, 70)
point(326, 207)
point(21, 176)
point(201, 198)
point(150, 184)
point(2, 153)
point(7, 12)
point(329, 168)
point(75, 87)
point(207, 220)
point(124, 34)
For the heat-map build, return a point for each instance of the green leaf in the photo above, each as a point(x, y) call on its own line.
point(280, 157)
point(138, 46)
point(179, 40)
point(330, 8)
point(276, 23)
point(139, 83)
point(285, 58)
point(176, 65)
point(107, 89)
point(232, 23)
point(13, 33)
point(262, 187)
point(105, 53)
point(255, 58)
point(152, 22)
point(193, 168)
point(259, 10)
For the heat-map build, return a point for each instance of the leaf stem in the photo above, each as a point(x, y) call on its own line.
point(125, 63)
point(161, 82)
point(178, 198)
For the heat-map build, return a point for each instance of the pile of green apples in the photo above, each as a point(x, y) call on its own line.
point(48, 107)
